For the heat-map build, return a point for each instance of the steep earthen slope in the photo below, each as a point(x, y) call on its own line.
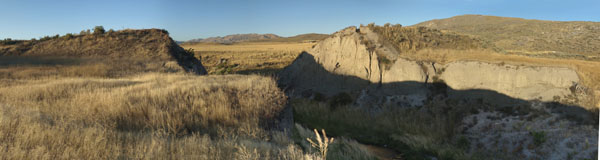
point(516, 105)
point(515, 110)
point(150, 44)
point(354, 59)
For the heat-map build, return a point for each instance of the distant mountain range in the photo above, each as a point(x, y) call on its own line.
point(253, 37)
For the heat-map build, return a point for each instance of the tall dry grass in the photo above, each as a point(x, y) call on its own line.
point(153, 116)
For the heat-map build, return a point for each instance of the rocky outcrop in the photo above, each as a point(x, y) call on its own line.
point(355, 61)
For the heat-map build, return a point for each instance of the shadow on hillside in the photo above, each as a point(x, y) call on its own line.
point(187, 60)
point(262, 71)
point(310, 78)
point(7, 61)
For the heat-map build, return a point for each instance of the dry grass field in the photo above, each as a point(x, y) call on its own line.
point(151, 116)
point(89, 108)
point(154, 116)
point(247, 57)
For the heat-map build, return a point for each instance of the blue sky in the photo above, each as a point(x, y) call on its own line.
point(26, 19)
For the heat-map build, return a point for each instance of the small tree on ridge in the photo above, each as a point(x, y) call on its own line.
point(98, 30)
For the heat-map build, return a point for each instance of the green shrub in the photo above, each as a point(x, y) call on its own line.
point(69, 36)
point(98, 30)
point(463, 143)
point(538, 137)
point(340, 99)
point(319, 97)
point(45, 38)
point(8, 41)
point(190, 52)
point(111, 31)
point(384, 60)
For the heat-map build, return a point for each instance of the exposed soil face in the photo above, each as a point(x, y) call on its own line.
point(372, 70)
point(359, 58)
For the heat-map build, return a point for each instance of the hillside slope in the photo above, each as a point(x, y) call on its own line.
point(148, 44)
point(309, 37)
point(386, 69)
point(524, 35)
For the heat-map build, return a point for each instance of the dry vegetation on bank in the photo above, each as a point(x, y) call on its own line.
point(412, 39)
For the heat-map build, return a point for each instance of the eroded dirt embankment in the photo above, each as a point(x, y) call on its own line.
point(353, 59)
point(526, 107)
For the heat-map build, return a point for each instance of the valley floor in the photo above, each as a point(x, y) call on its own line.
point(137, 109)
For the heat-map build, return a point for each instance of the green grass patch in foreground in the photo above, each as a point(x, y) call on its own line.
point(414, 132)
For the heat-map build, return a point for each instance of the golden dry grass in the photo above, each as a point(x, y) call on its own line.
point(568, 37)
point(153, 116)
point(247, 57)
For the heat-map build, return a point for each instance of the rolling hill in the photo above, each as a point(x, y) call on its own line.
point(517, 35)
point(236, 38)
point(253, 37)
point(145, 44)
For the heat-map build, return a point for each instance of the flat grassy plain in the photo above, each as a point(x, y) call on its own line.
point(247, 57)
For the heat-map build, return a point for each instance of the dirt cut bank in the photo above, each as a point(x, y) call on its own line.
point(353, 59)
point(494, 107)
